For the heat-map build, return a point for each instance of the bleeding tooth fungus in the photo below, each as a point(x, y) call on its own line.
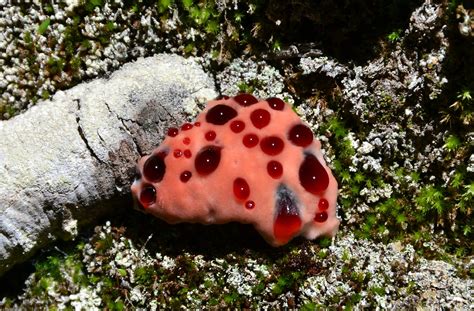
point(243, 160)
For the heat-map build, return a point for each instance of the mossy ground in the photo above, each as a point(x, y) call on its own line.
point(431, 210)
point(138, 261)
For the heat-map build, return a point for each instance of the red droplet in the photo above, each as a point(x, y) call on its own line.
point(210, 135)
point(250, 140)
point(249, 204)
point(276, 103)
point(286, 226)
point(237, 126)
point(260, 118)
point(172, 131)
point(197, 124)
point(186, 126)
point(220, 114)
point(186, 140)
point(147, 196)
point(245, 100)
point(222, 97)
point(207, 160)
point(321, 217)
point(187, 153)
point(241, 189)
point(300, 135)
point(274, 169)
point(313, 176)
point(154, 168)
point(177, 153)
point(323, 204)
point(272, 145)
point(287, 222)
point(185, 176)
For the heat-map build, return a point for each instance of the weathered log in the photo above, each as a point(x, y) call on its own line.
point(69, 160)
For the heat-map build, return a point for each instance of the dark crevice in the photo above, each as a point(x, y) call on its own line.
point(129, 132)
point(135, 142)
point(83, 136)
point(170, 114)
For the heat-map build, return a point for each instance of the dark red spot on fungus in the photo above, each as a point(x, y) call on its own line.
point(237, 126)
point(177, 153)
point(207, 160)
point(260, 118)
point(276, 103)
point(272, 145)
point(245, 100)
point(210, 135)
point(187, 153)
point(197, 124)
point(287, 222)
point(220, 114)
point(300, 135)
point(185, 176)
point(250, 140)
point(313, 176)
point(172, 131)
point(321, 217)
point(274, 169)
point(241, 189)
point(147, 196)
point(323, 204)
point(154, 168)
point(186, 140)
point(222, 97)
point(186, 126)
point(249, 204)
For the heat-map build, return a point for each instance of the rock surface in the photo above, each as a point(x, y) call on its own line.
point(69, 160)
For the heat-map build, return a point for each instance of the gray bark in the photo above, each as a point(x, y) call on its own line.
point(69, 160)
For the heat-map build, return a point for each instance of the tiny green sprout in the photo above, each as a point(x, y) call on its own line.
point(44, 26)
point(467, 230)
point(212, 27)
point(415, 176)
point(27, 37)
point(401, 218)
point(276, 45)
point(309, 306)
point(163, 5)
point(465, 95)
point(323, 253)
point(92, 4)
point(244, 87)
point(452, 143)
point(394, 36)
point(110, 26)
point(345, 255)
point(238, 16)
point(430, 198)
point(45, 94)
point(469, 193)
point(187, 3)
point(189, 48)
point(457, 180)
point(49, 9)
point(324, 242)
point(379, 291)
point(337, 128)
point(122, 272)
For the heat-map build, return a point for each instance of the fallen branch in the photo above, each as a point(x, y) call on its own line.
point(67, 161)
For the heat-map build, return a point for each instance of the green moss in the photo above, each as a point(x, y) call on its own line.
point(43, 26)
point(452, 143)
point(286, 282)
